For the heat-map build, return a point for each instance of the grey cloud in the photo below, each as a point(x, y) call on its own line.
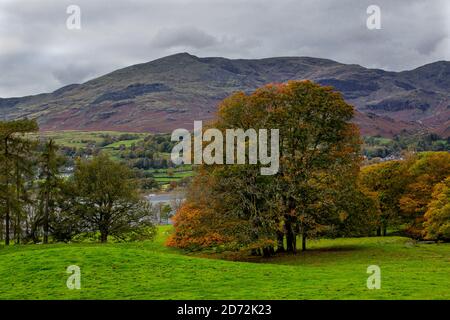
point(183, 37)
point(72, 73)
point(38, 53)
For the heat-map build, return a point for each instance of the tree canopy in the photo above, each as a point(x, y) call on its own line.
point(319, 162)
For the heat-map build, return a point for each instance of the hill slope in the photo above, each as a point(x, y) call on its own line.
point(171, 92)
point(331, 269)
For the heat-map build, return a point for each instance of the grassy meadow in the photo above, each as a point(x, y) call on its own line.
point(82, 139)
point(331, 269)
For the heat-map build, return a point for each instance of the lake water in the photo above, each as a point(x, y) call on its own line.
point(158, 200)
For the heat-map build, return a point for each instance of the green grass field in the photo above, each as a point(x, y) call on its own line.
point(126, 143)
point(164, 177)
point(331, 269)
point(80, 139)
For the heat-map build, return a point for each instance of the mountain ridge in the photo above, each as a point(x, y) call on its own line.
point(173, 91)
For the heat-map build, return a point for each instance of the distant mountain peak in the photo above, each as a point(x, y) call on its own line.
point(173, 91)
point(178, 56)
point(434, 66)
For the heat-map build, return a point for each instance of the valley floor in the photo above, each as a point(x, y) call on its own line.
point(331, 269)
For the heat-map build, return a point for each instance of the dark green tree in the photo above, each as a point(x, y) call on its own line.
point(106, 199)
point(49, 187)
point(14, 156)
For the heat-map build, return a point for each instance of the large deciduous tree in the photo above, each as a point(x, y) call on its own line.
point(105, 198)
point(319, 151)
point(319, 161)
point(425, 170)
point(385, 182)
point(437, 217)
point(403, 189)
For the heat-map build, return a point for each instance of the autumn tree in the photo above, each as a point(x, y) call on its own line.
point(437, 216)
point(385, 182)
point(425, 170)
point(319, 153)
point(403, 189)
point(318, 141)
point(203, 220)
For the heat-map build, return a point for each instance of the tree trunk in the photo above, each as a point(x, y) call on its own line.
point(17, 227)
point(46, 219)
point(291, 238)
point(303, 241)
point(280, 242)
point(294, 242)
point(103, 236)
point(7, 223)
point(7, 215)
point(384, 231)
point(267, 252)
point(379, 232)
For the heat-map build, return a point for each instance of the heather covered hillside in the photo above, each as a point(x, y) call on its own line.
point(171, 92)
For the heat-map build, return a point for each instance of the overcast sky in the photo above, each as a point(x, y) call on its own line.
point(39, 54)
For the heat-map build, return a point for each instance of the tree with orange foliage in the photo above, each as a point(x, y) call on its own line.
point(425, 171)
point(319, 150)
point(385, 182)
point(437, 217)
point(202, 221)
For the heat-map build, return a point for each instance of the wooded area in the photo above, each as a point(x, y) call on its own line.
point(37, 203)
point(320, 190)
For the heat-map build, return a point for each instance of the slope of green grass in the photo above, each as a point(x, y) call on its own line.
point(331, 269)
point(126, 143)
point(164, 177)
point(80, 139)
